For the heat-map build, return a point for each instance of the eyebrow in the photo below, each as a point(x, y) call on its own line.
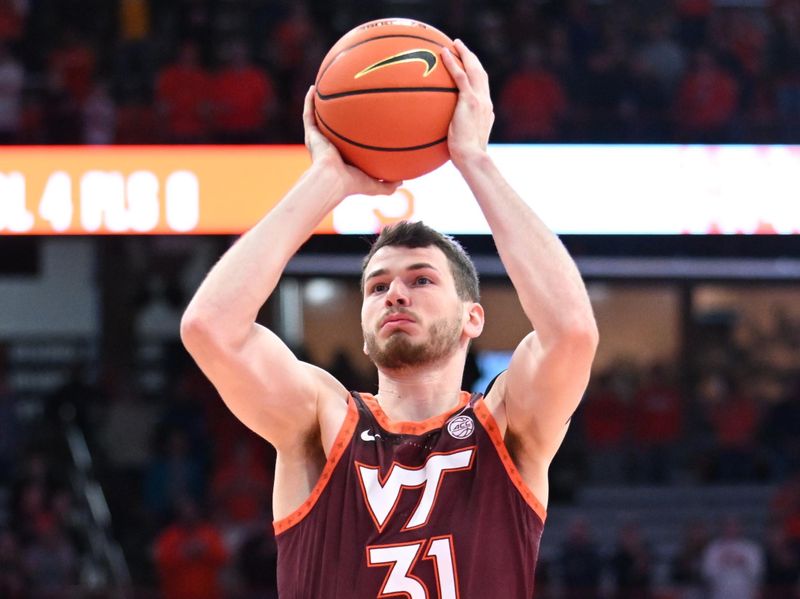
point(415, 266)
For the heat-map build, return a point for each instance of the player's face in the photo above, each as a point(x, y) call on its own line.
point(411, 313)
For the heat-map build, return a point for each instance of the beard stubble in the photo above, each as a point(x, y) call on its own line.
point(400, 352)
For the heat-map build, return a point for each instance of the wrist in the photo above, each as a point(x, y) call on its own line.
point(327, 172)
point(471, 161)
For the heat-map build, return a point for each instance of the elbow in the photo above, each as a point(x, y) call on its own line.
point(203, 333)
point(590, 335)
point(195, 330)
point(582, 336)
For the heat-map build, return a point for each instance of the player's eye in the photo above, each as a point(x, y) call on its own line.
point(379, 287)
point(422, 281)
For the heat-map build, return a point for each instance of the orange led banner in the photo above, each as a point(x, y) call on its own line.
point(83, 190)
point(576, 189)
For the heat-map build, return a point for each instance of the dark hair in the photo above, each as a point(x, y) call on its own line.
point(418, 235)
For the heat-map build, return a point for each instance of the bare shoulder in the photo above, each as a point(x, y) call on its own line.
point(331, 405)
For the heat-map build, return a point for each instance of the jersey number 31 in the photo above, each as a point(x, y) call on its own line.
point(401, 559)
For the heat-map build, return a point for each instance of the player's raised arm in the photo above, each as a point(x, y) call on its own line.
point(259, 378)
point(550, 368)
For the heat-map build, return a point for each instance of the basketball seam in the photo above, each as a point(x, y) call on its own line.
point(377, 37)
point(382, 90)
point(377, 148)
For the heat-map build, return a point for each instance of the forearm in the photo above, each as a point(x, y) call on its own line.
point(238, 285)
point(547, 281)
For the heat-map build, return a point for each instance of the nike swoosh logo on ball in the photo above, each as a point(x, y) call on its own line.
point(428, 57)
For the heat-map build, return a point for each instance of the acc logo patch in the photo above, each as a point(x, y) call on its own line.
point(461, 427)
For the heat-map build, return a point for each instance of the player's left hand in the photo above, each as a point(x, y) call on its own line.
point(472, 121)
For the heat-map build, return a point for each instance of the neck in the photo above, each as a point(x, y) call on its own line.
point(418, 393)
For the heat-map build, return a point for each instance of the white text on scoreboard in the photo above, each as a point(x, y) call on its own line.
point(107, 201)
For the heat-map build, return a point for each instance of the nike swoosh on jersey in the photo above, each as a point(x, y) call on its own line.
point(367, 436)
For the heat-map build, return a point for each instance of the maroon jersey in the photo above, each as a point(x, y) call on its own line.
point(421, 510)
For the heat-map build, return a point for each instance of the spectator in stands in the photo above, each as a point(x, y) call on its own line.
point(289, 42)
point(67, 519)
point(782, 433)
point(12, 21)
point(491, 43)
point(733, 566)
point(244, 98)
point(183, 94)
point(734, 417)
point(11, 431)
point(29, 505)
point(190, 555)
point(707, 101)
point(785, 509)
point(12, 81)
point(134, 66)
point(606, 418)
point(174, 473)
point(532, 101)
point(686, 570)
point(99, 116)
point(584, 30)
point(658, 426)
point(643, 106)
point(581, 564)
point(35, 480)
point(785, 61)
point(189, 410)
point(72, 65)
point(242, 490)
point(49, 560)
point(257, 563)
point(126, 441)
point(137, 120)
point(693, 19)
point(661, 55)
point(632, 564)
point(782, 571)
point(12, 579)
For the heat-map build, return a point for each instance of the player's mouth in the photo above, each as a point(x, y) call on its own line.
point(396, 320)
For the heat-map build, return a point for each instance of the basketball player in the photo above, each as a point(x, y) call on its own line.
point(422, 490)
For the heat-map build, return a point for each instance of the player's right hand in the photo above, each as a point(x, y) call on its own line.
point(325, 155)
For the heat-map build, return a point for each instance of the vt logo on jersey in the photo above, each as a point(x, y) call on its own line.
point(382, 494)
point(428, 57)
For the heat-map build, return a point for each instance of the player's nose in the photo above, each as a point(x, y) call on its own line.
point(397, 295)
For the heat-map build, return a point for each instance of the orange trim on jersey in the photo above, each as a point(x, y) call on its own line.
point(337, 450)
point(491, 428)
point(406, 427)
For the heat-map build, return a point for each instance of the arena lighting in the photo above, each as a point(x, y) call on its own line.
point(576, 189)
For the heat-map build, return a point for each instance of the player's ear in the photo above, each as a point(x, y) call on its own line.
point(364, 349)
point(473, 326)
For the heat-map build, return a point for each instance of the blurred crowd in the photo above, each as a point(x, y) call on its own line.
point(189, 487)
point(236, 71)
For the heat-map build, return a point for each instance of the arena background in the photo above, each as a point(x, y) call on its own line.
point(111, 441)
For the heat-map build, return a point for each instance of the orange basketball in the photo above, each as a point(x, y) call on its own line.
point(385, 99)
